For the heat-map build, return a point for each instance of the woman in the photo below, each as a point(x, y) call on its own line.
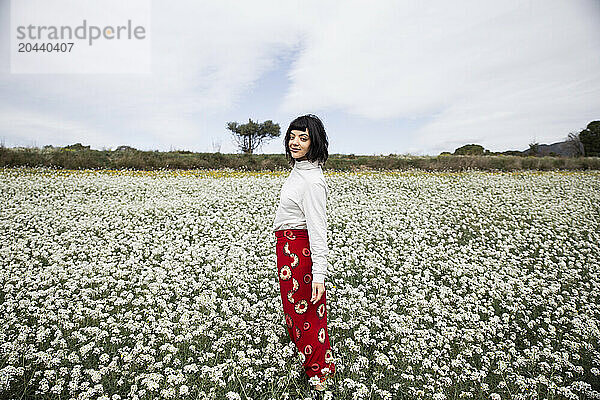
point(300, 226)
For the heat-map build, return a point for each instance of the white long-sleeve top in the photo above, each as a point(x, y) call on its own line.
point(303, 205)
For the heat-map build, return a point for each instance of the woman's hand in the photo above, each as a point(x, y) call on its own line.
point(317, 291)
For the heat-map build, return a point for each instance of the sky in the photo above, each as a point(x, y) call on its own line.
point(401, 77)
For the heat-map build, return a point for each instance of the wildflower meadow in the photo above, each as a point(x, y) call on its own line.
point(163, 285)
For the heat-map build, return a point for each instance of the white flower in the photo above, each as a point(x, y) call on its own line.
point(184, 390)
point(381, 358)
point(168, 393)
point(95, 376)
point(314, 380)
point(233, 396)
point(143, 278)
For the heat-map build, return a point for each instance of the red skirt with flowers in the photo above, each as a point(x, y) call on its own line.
point(306, 322)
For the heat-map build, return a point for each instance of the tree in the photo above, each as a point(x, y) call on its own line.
point(472, 149)
point(216, 146)
point(251, 136)
point(574, 144)
point(534, 149)
point(77, 146)
point(125, 148)
point(590, 138)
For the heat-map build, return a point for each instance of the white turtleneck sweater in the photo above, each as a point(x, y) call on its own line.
point(303, 205)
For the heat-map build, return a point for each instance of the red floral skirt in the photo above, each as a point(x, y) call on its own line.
point(306, 322)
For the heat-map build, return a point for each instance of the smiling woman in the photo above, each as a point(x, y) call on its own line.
point(300, 226)
point(299, 144)
point(306, 139)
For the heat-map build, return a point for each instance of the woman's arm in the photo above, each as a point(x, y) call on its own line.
point(314, 204)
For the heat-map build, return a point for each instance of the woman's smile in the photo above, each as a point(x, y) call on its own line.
point(299, 144)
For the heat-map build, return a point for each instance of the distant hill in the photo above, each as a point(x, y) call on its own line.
point(564, 149)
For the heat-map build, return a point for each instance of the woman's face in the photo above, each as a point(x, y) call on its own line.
point(299, 144)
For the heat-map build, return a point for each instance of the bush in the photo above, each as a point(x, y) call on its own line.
point(125, 157)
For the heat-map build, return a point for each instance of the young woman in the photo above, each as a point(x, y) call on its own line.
point(300, 226)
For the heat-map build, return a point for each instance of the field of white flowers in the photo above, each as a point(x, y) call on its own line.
point(145, 285)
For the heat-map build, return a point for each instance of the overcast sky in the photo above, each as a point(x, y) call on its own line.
point(384, 76)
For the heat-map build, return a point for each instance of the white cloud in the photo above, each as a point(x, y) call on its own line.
point(206, 55)
point(25, 128)
point(499, 72)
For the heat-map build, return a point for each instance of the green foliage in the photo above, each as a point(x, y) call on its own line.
point(252, 135)
point(76, 146)
point(590, 139)
point(471, 149)
point(184, 160)
point(512, 153)
point(125, 148)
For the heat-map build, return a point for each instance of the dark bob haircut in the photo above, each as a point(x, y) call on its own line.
point(318, 139)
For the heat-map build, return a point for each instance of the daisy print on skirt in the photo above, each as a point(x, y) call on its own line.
point(306, 322)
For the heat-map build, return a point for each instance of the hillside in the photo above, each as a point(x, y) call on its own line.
point(564, 149)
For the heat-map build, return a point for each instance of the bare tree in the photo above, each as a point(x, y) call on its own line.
point(534, 148)
point(216, 146)
point(574, 144)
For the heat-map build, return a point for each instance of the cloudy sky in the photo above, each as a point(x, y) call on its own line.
point(385, 77)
